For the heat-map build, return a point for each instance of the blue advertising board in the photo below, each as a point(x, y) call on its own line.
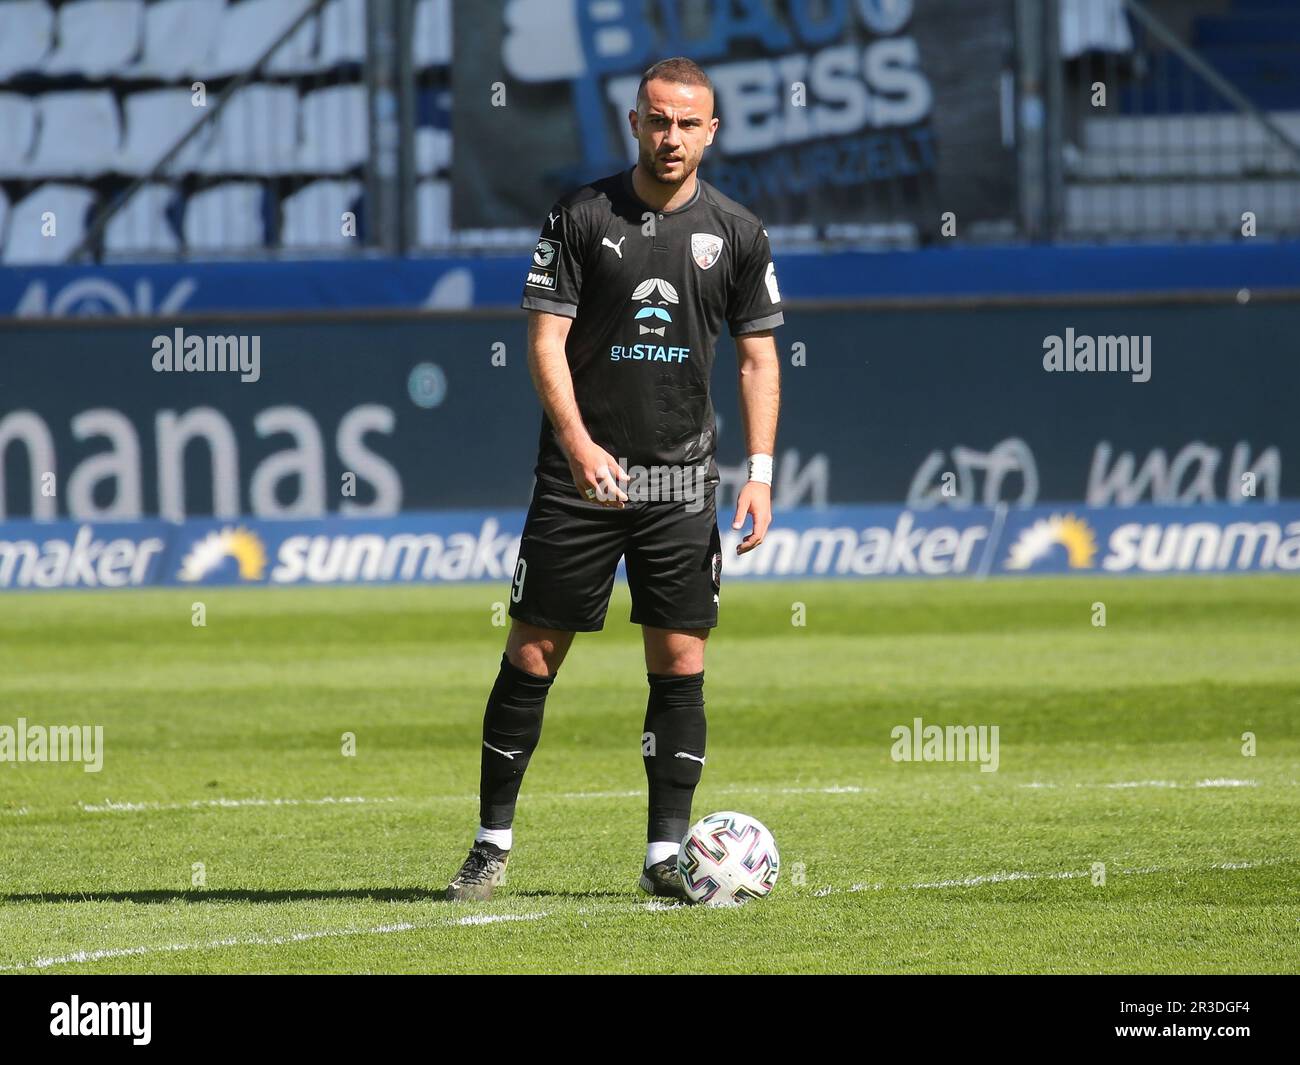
point(851, 542)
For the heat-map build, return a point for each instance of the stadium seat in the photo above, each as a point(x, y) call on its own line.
point(1227, 145)
point(25, 242)
point(17, 133)
point(249, 28)
point(155, 121)
point(142, 225)
point(433, 213)
point(313, 216)
point(433, 148)
point(432, 34)
point(4, 215)
point(178, 35)
point(342, 34)
point(1206, 208)
point(96, 37)
point(26, 33)
point(79, 134)
point(335, 130)
point(255, 134)
point(227, 217)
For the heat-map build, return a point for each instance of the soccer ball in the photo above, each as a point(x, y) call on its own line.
point(728, 858)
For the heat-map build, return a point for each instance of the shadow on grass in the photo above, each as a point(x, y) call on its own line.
point(377, 894)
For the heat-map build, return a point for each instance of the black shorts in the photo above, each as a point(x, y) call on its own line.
point(570, 551)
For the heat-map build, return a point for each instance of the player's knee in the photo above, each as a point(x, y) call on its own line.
point(537, 651)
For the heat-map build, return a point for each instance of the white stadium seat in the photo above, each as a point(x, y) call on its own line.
point(26, 33)
point(335, 130)
point(226, 217)
point(178, 35)
point(1160, 208)
point(79, 134)
point(96, 37)
point(342, 33)
point(155, 121)
point(141, 225)
point(433, 149)
point(249, 28)
point(26, 242)
point(433, 213)
point(17, 133)
point(432, 34)
point(313, 216)
point(254, 134)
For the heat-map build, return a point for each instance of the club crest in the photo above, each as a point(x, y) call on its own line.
point(705, 249)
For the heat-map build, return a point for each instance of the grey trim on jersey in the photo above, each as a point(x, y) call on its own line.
point(541, 303)
point(756, 325)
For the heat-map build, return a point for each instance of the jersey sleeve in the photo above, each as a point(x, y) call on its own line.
point(554, 279)
point(755, 301)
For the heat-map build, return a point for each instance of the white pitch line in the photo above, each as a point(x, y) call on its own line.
point(108, 806)
point(83, 956)
point(1222, 782)
point(652, 906)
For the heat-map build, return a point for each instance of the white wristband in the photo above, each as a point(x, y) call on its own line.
point(760, 468)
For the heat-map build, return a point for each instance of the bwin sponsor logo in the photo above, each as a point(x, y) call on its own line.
point(208, 354)
point(75, 1017)
point(1110, 354)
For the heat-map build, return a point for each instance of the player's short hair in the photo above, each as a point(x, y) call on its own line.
point(678, 69)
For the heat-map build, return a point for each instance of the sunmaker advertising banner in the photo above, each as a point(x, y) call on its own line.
point(459, 547)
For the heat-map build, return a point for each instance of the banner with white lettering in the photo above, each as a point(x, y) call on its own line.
point(833, 114)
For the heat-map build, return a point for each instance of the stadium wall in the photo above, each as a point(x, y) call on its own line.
point(951, 407)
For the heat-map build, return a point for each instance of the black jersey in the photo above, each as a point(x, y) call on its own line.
point(647, 304)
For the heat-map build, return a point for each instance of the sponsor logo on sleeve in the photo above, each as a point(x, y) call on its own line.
point(545, 264)
point(773, 293)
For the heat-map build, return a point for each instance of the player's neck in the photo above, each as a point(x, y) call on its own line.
point(660, 196)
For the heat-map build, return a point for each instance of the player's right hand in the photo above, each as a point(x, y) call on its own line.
point(598, 475)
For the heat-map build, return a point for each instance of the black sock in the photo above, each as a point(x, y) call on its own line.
point(512, 725)
point(672, 747)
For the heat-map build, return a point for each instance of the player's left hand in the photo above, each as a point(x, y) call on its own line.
point(756, 499)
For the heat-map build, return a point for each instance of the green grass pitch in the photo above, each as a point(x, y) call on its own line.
point(1120, 745)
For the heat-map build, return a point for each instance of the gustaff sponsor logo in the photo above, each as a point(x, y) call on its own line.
point(61, 558)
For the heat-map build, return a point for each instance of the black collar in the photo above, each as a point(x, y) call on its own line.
point(630, 189)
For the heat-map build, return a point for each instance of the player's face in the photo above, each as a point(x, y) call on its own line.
point(675, 128)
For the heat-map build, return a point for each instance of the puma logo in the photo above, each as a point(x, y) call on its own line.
point(618, 248)
point(692, 757)
point(498, 750)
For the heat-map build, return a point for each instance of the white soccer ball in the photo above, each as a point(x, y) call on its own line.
point(728, 858)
